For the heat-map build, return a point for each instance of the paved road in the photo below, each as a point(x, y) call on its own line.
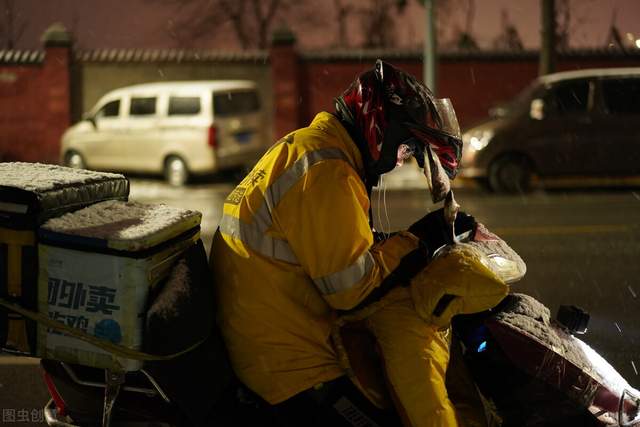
point(581, 248)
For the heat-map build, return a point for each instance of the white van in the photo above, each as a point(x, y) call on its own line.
point(175, 128)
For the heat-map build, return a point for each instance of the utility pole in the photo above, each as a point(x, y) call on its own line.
point(548, 38)
point(430, 54)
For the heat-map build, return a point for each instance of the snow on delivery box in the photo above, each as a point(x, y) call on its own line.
point(96, 268)
point(31, 193)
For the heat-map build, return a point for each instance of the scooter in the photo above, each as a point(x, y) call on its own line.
point(529, 369)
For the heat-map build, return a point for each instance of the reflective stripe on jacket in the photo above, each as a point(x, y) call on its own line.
point(294, 243)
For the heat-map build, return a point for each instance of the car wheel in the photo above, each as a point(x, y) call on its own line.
point(74, 160)
point(511, 174)
point(175, 171)
point(483, 183)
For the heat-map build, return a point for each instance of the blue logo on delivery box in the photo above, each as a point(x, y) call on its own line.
point(108, 329)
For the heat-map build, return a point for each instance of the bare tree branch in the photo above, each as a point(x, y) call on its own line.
point(342, 14)
point(237, 17)
point(264, 20)
point(378, 24)
point(251, 20)
point(449, 33)
point(563, 24)
point(471, 11)
point(13, 28)
point(509, 38)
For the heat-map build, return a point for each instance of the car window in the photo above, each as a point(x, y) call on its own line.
point(621, 95)
point(522, 101)
point(142, 106)
point(570, 97)
point(235, 102)
point(110, 109)
point(184, 105)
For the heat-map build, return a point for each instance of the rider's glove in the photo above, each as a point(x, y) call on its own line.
point(433, 230)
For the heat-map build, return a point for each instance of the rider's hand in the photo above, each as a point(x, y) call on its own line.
point(433, 230)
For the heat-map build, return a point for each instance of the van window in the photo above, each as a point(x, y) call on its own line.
point(142, 106)
point(621, 95)
point(570, 97)
point(110, 109)
point(236, 102)
point(184, 105)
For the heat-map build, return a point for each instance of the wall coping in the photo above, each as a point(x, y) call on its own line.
point(488, 55)
point(23, 57)
point(57, 35)
point(171, 55)
point(261, 57)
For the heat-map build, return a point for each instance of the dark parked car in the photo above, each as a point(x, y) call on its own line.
point(576, 123)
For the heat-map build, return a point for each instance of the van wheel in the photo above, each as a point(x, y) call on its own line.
point(74, 160)
point(511, 174)
point(175, 171)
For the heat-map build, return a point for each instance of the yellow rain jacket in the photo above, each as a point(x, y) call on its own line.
point(294, 243)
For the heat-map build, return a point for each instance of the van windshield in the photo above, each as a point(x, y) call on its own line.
point(235, 102)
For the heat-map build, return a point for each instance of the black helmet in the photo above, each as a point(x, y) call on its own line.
point(395, 117)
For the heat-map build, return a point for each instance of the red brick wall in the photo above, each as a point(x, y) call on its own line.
point(474, 85)
point(34, 108)
point(35, 101)
point(56, 97)
point(321, 82)
point(285, 85)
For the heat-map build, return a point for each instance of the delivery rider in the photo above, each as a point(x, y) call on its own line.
point(295, 243)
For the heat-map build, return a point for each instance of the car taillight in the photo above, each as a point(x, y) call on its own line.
point(53, 391)
point(213, 136)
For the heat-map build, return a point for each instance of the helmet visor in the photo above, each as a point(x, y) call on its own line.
point(446, 120)
point(441, 132)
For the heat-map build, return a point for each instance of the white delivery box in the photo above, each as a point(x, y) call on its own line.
point(96, 267)
point(30, 194)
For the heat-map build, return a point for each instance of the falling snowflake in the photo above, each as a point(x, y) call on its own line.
point(618, 326)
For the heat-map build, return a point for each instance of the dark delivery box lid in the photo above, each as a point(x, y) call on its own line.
point(31, 193)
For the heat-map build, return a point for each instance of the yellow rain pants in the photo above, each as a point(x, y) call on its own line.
point(414, 342)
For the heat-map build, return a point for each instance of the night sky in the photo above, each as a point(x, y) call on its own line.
point(148, 23)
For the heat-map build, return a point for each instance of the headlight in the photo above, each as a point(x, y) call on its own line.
point(507, 270)
point(629, 413)
point(477, 140)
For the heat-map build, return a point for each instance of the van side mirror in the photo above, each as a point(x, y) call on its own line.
point(536, 111)
point(91, 119)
